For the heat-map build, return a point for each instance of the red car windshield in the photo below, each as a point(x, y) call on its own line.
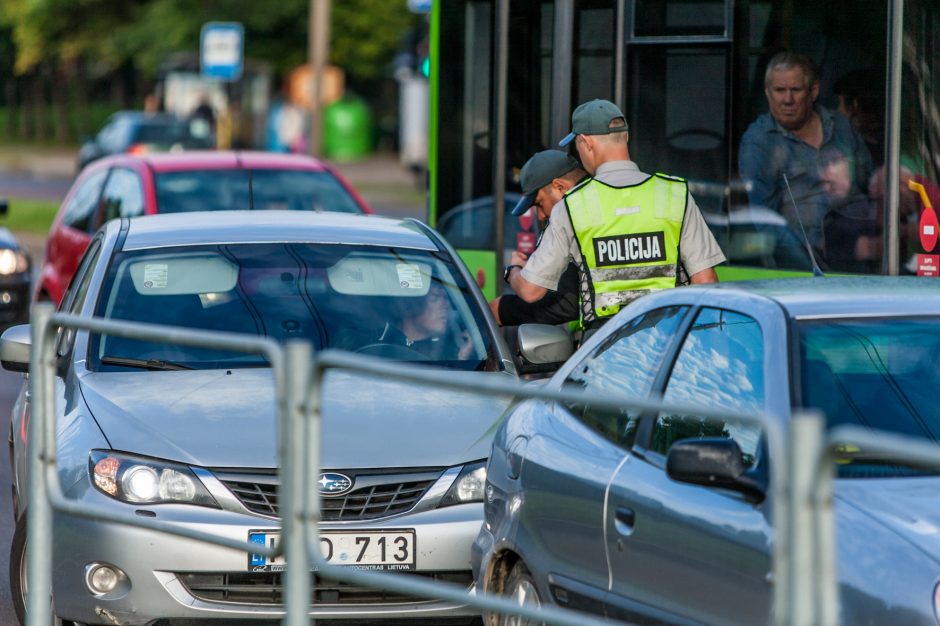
point(261, 189)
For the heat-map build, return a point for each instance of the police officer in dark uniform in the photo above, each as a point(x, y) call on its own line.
point(545, 178)
point(628, 232)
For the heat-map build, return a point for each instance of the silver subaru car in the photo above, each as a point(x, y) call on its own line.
point(188, 435)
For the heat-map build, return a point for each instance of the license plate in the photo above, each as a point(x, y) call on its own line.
point(378, 550)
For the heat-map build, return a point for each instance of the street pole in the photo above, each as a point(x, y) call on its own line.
point(318, 45)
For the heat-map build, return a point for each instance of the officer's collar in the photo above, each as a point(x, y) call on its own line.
point(616, 166)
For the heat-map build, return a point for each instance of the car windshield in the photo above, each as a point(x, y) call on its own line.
point(260, 189)
point(402, 304)
point(878, 373)
point(169, 133)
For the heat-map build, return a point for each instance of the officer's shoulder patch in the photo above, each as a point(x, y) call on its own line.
point(678, 179)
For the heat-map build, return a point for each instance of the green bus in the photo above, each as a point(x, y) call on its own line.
point(689, 76)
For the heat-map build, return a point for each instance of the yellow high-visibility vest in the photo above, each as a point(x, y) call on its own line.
point(629, 240)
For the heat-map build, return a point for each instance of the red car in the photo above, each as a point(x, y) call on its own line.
point(129, 185)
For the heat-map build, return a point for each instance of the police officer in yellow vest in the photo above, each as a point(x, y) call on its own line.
point(629, 232)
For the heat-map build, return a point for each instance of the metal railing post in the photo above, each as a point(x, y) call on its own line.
point(806, 448)
point(294, 490)
point(40, 452)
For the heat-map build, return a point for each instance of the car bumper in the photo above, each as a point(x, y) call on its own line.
point(481, 552)
point(169, 577)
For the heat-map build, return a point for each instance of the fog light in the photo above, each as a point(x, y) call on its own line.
point(6, 297)
point(102, 579)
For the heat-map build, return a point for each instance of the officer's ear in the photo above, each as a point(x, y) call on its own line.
point(560, 185)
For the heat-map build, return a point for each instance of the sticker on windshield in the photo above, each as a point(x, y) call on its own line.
point(155, 275)
point(409, 276)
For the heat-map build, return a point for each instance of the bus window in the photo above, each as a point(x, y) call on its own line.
point(594, 44)
point(919, 134)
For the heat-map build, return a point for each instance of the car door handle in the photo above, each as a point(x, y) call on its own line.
point(624, 520)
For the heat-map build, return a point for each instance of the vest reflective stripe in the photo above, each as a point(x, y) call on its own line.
point(629, 240)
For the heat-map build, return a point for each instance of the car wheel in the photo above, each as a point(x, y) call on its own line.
point(520, 587)
point(18, 573)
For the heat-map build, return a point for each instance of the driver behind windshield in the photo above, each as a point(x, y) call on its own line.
point(422, 324)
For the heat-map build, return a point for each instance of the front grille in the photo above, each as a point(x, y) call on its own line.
point(378, 496)
point(266, 588)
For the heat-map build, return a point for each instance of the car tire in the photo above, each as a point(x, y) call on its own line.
point(18, 574)
point(520, 587)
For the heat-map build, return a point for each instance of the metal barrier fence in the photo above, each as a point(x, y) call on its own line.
point(805, 589)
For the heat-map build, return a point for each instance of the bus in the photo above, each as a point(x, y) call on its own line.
point(689, 76)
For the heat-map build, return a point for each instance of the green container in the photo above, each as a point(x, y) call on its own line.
point(347, 130)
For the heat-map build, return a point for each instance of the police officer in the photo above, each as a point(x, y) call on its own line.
point(545, 178)
point(628, 232)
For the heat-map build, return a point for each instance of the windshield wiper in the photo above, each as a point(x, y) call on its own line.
point(147, 364)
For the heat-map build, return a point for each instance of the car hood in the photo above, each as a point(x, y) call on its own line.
point(906, 506)
point(223, 418)
point(8, 239)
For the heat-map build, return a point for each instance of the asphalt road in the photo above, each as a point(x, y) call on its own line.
point(9, 387)
point(18, 185)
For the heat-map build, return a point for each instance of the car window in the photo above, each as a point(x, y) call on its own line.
point(168, 132)
point(221, 190)
point(625, 364)
point(720, 365)
point(401, 304)
point(115, 136)
point(80, 210)
point(877, 373)
point(123, 195)
point(74, 297)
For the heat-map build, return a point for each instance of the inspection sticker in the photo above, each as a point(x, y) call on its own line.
point(155, 275)
point(409, 276)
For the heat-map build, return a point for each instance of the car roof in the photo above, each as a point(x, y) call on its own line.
point(220, 160)
point(220, 227)
point(828, 296)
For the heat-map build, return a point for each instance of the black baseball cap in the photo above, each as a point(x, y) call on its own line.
point(594, 118)
point(541, 169)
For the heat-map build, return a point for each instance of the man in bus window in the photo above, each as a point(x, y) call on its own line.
point(785, 146)
point(628, 232)
point(545, 178)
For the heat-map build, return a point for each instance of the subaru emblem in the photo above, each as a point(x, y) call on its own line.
point(332, 484)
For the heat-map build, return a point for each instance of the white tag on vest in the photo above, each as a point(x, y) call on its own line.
point(627, 210)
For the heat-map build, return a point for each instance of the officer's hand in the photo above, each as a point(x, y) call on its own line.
point(518, 258)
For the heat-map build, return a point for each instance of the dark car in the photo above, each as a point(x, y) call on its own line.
point(15, 276)
point(581, 510)
point(217, 180)
point(137, 132)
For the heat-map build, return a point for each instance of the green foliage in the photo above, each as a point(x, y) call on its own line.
point(365, 34)
point(29, 215)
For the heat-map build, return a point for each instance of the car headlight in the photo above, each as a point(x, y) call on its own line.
point(140, 480)
point(12, 262)
point(469, 485)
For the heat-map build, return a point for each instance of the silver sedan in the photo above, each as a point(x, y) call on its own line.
point(658, 517)
point(188, 435)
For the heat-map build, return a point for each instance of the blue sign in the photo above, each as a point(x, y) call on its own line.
point(419, 6)
point(222, 50)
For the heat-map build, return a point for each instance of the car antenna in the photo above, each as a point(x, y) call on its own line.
point(812, 256)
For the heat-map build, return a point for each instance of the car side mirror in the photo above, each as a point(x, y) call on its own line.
point(15, 348)
point(712, 462)
point(541, 348)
